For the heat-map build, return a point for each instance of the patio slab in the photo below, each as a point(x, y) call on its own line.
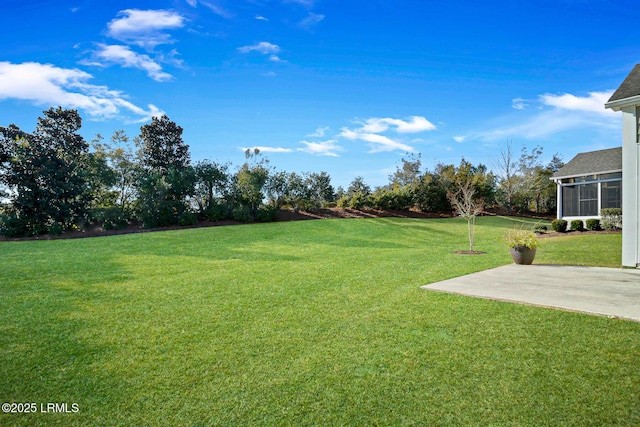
point(612, 292)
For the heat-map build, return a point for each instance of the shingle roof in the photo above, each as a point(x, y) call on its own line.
point(593, 162)
point(630, 87)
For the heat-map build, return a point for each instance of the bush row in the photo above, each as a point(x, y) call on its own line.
point(611, 220)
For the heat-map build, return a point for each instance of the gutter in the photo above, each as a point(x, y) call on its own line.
point(619, 104)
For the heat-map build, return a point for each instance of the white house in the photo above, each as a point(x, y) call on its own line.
point(627, 99)
point(589, 182)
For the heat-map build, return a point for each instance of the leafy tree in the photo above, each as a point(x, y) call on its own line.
point(166, 179)
point(211, 185)
point(534, 189)
point(8, 138)
point(124, 163)
point(431, 193)
point(161, 196)
point(249, 184)
point(47, 173)
point(358, 186)
point(319, 189)
point(358, 194)
point(278, 189)
point(408, 173)
point(452, 178)
point(162, 145)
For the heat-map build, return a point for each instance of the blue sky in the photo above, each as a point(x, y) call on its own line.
point(346, 87)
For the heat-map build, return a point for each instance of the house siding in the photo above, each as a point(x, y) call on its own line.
point(630, 188)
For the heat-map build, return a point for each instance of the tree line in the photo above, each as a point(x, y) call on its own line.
point(52, 180)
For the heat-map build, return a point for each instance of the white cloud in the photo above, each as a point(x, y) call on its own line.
point(124, 56)
point(218, 10)
point(593, 103)
point(48, 85)
point(311, 20)
point(555, 114)
point(415, 124)
point(275, 58)
point(378, 143)
point(261, 18)
point(144, 27)
point(264, 48)
point(371, 129)
point(459, 139)
point(518, 103)
point(320, 132)
point(324, 148)
point(192, 3)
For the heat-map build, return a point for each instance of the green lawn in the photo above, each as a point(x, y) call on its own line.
point(303, 323)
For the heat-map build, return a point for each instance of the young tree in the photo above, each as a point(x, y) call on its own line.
point(467, 206)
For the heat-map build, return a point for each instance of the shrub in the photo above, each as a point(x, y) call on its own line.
point(111, 218)
point(593, 224)
point(268, 213)
point(611, 218)
point(187, 218)
point(343, 202)
point(11, 226)
point(56, 229)
point(242, 214)
point(559, 225)
point(358, 201)
point(216, 213)
point(577, 225)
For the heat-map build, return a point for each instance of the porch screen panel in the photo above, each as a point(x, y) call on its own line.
point(588, 199)
point(570, 200)
point(612, 194)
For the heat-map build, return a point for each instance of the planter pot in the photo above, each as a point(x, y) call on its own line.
point(523, 255)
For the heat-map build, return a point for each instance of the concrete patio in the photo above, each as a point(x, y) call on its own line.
point(608, 292)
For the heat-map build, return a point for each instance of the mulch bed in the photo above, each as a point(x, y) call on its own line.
point(285, 215)
point(291, 215)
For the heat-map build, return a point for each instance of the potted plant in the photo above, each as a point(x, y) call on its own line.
point(523, 245)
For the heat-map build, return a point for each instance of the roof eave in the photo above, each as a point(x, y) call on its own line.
point(554, 178)
point(619, 104)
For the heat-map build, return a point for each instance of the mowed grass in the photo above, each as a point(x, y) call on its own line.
point(303, 323)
